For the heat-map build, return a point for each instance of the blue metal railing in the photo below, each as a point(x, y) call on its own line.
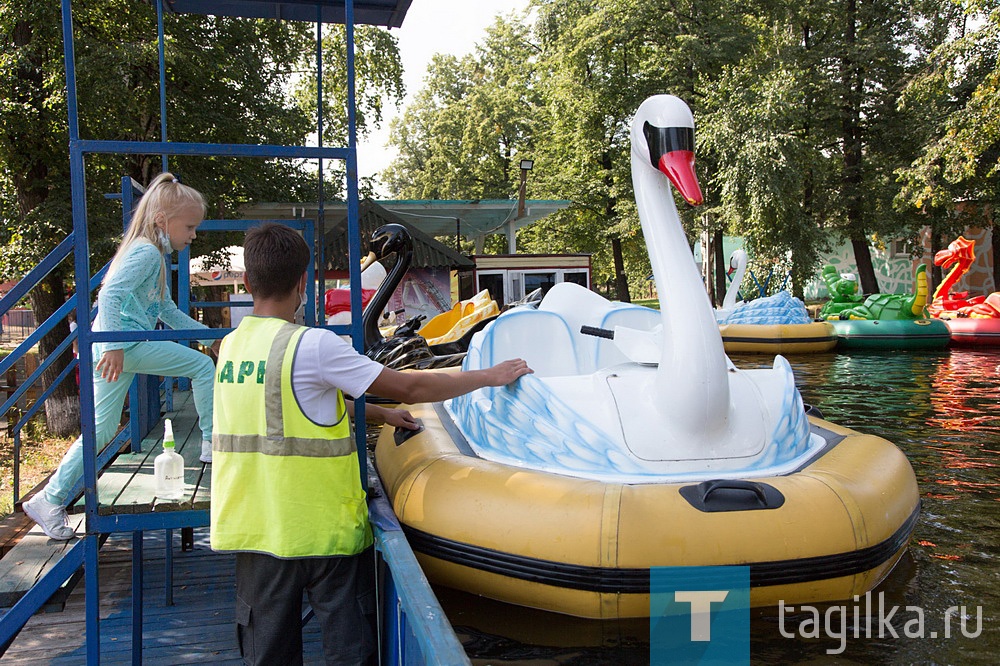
point(415, 629)
point(21, 289)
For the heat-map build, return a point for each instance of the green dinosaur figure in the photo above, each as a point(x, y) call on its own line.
point(891, 307)
point(843, 290)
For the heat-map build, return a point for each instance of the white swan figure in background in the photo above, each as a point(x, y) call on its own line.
point(737, 261)
point(680, 409)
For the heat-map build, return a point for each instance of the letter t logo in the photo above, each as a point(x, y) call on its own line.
point(701, 610)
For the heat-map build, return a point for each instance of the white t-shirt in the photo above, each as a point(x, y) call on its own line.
point(324, 363)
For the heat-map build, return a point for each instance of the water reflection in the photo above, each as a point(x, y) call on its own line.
point(941, 409)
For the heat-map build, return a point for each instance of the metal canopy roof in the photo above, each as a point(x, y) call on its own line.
point(389, 13)
point(427, 252)
point(437, 218)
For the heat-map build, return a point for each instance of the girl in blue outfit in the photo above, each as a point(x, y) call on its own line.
point(133, 297)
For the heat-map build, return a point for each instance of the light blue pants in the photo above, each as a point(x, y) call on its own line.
point(167, 359)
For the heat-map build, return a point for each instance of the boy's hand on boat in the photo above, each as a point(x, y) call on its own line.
point(508, 371)
point(110, 365)
point(400, 418)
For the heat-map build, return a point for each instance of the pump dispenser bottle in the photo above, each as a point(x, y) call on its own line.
point(169, 468)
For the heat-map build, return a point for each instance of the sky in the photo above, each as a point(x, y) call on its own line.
point(430, 27)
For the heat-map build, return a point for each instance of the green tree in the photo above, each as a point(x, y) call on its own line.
point(955, 179)
point(602, 59)
point(809, 133)
point(471, 122)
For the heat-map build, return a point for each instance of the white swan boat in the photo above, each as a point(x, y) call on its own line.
point(649, 449)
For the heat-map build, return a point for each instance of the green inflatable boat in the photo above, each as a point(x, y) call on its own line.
point(888, 334)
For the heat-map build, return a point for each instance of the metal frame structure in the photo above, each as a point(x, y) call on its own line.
point(411, 611)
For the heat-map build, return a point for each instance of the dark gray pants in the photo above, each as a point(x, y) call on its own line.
point(341, 591)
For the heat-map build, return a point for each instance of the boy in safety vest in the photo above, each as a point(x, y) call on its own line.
point(286, 488)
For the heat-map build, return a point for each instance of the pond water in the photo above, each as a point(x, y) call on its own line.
point(943, 410)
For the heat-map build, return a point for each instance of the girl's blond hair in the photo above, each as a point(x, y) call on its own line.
point(164, 195)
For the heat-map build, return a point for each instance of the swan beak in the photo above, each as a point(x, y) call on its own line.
point(368, 260)
point(678, 166)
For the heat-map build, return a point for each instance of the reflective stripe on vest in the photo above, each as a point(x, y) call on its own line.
point(281, 483)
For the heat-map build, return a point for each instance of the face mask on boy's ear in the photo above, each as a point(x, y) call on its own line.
point(303, 299)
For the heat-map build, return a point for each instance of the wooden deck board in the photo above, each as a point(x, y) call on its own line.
point(198, 629)
point(128, 485)
point(29, 560)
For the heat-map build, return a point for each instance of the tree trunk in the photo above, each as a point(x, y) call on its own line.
point(798, 275)
point(621, 280)
point(62, 409)
point(866, 270)
point(936, 274)
point(995, 247)
point(721, 268)
point(851, 80)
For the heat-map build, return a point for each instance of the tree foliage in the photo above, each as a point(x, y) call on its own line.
point(802, 127)
point(957, 93)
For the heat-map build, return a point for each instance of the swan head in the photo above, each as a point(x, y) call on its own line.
point(663, 138)
point(390, 238)
point(739, 258)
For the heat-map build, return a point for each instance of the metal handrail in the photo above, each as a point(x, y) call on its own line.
point(35, 275)
point(42, 329)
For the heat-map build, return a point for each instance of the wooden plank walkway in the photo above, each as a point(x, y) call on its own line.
point(198, 629)
point(29, 560)
point(128, 485)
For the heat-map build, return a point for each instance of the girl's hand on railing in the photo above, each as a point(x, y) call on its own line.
point(110, 365)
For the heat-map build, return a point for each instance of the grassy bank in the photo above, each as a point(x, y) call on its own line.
point(38, 459)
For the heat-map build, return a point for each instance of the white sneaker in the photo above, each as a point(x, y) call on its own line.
point(206, 451)
point(50, 517)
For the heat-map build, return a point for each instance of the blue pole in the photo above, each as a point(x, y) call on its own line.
point(81, 264)
point(354, 237)
point(310, 235)
point(163, 80)
point(321, 215)
point(137, 598)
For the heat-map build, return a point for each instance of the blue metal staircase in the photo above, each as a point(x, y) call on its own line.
point(415, 628)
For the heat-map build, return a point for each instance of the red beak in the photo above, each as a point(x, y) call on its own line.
point(944, 258)
point(678, 166)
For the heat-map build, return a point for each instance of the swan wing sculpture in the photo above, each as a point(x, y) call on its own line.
point(670, 404)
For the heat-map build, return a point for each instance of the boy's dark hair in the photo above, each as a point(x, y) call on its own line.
point(275, 257)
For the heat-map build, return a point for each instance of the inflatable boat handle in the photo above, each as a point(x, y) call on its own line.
point(598, 332)
point(400, 435)
point(733, 495)
point(710, 487)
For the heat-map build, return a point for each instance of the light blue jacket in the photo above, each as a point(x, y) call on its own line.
point(130, 299)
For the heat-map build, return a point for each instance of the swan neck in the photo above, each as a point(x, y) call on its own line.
point(369, 318)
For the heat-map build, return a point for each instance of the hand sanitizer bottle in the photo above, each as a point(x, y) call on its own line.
point(169, 468)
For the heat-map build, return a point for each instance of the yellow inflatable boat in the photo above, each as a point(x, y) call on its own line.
point(452, 325)
point(816, 337)
point(830, 530)
point(637, 443)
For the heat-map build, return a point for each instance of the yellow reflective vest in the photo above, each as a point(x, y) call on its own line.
point(281, 483)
